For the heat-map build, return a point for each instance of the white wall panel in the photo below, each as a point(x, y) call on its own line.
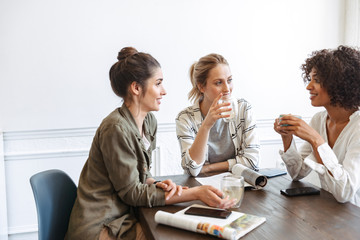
point(3, 202)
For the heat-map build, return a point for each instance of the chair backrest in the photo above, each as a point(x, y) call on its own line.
point(54, 194)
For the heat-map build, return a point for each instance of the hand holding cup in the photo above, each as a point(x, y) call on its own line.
point(233, 187)
point(228, 99)
point(283, 115)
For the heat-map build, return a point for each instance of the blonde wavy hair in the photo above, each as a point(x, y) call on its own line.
point(199, 72)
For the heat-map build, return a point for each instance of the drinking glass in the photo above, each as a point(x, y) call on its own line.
point(233, 186)
point(228, 99)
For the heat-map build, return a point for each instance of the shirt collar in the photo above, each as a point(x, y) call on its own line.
point(125, 112)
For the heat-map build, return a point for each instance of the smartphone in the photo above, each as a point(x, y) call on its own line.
point(208, 212)
point(300, 191)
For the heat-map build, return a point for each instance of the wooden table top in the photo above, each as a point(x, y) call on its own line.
point(302, 217)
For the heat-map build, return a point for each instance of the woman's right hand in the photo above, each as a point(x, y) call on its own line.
point(277, 128)
point(213, 197)
point(170, 188)
point(286, 136)
point(215, 111)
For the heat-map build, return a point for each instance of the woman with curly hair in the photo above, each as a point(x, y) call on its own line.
point(332, 138)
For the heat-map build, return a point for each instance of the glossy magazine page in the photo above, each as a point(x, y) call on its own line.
point(234, 227)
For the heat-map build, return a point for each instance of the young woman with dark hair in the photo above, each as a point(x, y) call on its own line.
point(116, 177)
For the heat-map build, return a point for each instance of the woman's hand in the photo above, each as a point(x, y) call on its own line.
point(207, 194)
point(291, 125)
point(278, 128)
point(170, 188)
point(215, 111)
point(213, 197)
point(285, 136)
point(215, 167)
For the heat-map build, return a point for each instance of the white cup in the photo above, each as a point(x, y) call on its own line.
point(233, 186)
point(228, 99)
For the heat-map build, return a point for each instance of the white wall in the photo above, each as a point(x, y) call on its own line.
point(54, 86)
point(55, 55)
point(352, 23)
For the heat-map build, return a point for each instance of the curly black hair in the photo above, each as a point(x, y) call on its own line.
point(339, 74)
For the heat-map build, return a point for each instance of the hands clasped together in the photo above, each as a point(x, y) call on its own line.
point(170, 188)
point(207, 194)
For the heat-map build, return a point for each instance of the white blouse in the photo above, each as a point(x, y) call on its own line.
point(342, 161)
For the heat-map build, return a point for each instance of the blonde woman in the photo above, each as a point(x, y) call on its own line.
point(209, 144)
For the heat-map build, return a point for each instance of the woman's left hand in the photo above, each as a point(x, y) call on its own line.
point(169, 186)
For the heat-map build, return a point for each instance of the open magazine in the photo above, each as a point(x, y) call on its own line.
point(253, 180)
point(234, 227)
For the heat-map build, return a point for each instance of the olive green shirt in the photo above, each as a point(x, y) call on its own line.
point(113, 180)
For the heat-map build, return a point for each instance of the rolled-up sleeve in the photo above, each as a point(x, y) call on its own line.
point(186, 134)
point(294, 161)
point(342, 180)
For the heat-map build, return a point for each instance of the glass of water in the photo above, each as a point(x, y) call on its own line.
point(233, 186)
point(228, 99)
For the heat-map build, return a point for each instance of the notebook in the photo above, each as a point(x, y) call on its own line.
point(272, 172)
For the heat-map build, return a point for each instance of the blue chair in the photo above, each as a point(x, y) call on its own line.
point(54, 194)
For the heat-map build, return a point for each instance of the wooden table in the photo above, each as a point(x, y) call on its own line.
point(304, 217)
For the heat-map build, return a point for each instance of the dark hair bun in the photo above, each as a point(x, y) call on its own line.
point(126, 52)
